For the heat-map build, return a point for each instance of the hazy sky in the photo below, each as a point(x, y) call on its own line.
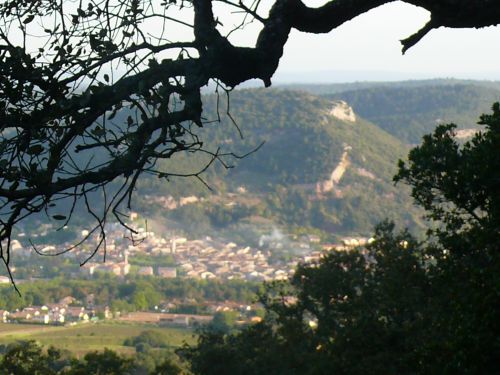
point(368, 48)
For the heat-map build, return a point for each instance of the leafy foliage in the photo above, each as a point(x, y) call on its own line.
point(152, 338)
point(454, 183)
point(399, 306)
point(29, 358)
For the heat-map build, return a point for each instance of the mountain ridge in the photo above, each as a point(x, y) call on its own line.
point(295, 175)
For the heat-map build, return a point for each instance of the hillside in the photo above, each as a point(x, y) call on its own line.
point(334, 88)
point(321, 166)
point(410, 109)
point(409, 113)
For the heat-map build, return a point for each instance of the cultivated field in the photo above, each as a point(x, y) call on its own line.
point(88, 337)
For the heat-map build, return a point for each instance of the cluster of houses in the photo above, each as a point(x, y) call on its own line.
point(65, 312)
point(61, 313)
point(199, 259)
point(206, 258)
point(180, 320)
point(210, 259)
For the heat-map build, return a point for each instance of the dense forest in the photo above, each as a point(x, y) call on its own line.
point(282, 176)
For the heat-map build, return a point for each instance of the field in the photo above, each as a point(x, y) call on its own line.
point(88, 337)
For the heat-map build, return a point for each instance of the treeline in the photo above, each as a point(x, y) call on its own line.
point(136, 293)
point(28, 358)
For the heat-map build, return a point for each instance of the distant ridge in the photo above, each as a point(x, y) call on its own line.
point(410, 109)
point(332, 88)
point(321, 166)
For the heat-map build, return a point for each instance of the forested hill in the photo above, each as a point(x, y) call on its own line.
point(334, 88)
point(305, 137)
point(410, 109)
point(321, 165)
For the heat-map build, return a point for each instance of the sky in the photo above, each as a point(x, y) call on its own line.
point(364, 49)
point(368, 48)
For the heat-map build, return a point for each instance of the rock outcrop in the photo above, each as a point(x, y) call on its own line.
point(327, 186)
point(342, 111)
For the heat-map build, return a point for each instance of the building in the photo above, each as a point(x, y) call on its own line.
point(167, 272)
point(145, 271)
point(4, 316)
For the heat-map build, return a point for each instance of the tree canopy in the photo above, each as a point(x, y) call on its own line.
point(100, 91)
point(29, 358)
point(399, 306)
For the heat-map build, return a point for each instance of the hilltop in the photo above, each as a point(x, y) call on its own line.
point(321, 165)
point(410, 109)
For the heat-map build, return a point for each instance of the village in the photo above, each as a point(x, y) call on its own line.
point(206, 258)
point(202, 259)
point(65, 313)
